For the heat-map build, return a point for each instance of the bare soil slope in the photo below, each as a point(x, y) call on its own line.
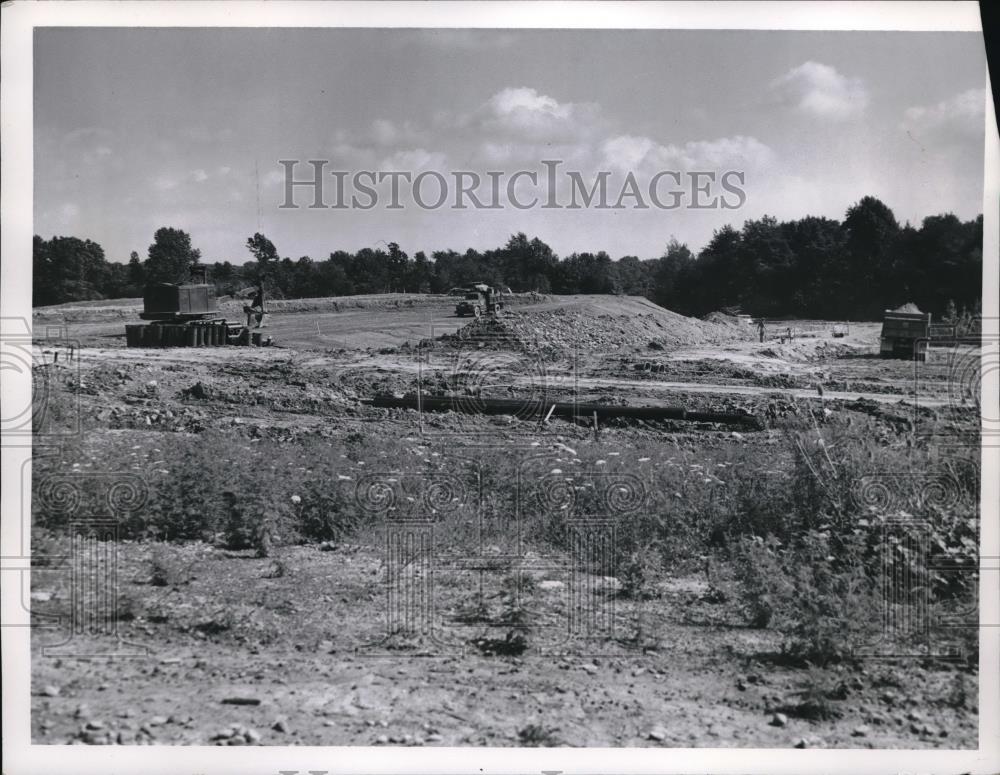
point(599, 323)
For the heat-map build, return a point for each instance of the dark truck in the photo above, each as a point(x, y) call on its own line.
point(479, 299)
point(905, 334)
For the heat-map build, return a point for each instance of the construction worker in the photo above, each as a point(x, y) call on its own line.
point(256, 307)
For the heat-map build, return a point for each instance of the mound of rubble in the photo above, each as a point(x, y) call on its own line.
point(725, 319)
point(576, 328)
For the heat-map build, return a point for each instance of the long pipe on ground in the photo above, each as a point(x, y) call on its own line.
point(531, 408)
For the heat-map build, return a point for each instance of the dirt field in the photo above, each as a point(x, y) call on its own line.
point(301, 645)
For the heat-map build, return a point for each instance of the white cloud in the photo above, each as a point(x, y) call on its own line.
point(515, 126)
point(818, 90)
point(415, 160)
point(346, 155)
point(165, 183)
point(958, 118)
point(200, 176)
point(91, 147)
point(725, 152)
point(495, 155)
point(521, 113)
point(385, 132)
point(627, 152)
point(276, 177)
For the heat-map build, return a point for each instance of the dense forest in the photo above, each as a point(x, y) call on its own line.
point(811, 267)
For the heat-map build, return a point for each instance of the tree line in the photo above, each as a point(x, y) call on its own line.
point(810, 267)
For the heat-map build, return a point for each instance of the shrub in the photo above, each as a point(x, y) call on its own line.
point(537, 736)
point(167, 571)
point(326, 512)
point(815, 698)
point(813, 569)
point(639, 572)
point(55, 405)
point(826, 605)
point(47, 546)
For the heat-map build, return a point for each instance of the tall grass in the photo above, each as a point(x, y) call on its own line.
point(787, 522)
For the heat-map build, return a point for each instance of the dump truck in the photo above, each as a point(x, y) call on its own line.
point(187, 315)
point(480, 299)
point(905, 334)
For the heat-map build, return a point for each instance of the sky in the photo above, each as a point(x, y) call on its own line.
point(141, 128)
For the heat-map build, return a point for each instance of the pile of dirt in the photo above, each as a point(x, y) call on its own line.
point(595, 329)
point(738, 325)
point(909, 307)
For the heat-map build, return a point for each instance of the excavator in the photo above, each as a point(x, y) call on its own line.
point(187, 315)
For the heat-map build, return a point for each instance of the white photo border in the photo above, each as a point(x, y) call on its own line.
point(18, 21)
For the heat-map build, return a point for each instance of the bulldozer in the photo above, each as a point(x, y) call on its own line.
point(480, 299)
point(187, 315)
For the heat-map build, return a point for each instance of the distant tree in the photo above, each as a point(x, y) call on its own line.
point(420, 273)
point(266, 267)
point(764, 268)
point(171, 256)
point(946, 263)
point(711, 283)
point(43, 274)
point(225, 278)
point(635, 276)
point(397, 268)
point(951, 315)
point(869, 225)
point(332, 279)
point(818, 247)
point(67, 269)
point(806, 267)
point(115, 284)
point(446, 274)
point(136, 274)
point(262, 248)
point(586, 273)
point(675, 261)
point(870, 228)
point(369, 271)
point(303, 282)
point(528, 264)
